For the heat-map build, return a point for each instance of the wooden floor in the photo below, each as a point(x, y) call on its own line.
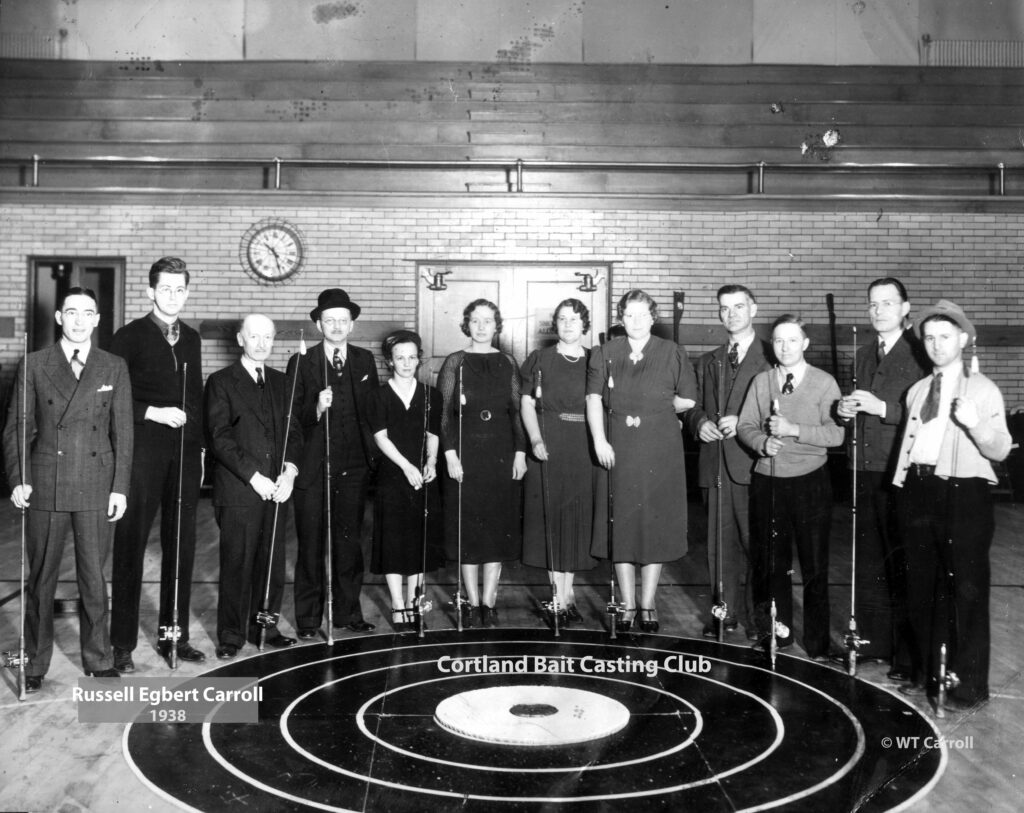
point(49, 761)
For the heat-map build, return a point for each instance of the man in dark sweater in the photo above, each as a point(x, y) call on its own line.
point(333, 380)
point(787, 420)
point(884, 370)
point(165, 366)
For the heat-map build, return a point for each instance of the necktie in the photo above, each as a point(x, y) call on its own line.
point(172, 333)
point(787, 388)
point(930, 409)
point(259, 378)
point(734, 355)
point(77, 365)
point(338, 362)
point(880, 351)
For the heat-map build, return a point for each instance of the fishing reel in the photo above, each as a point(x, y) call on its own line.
point(267, 619)
point(169, 633)
point(720, 611)
point(948, 680)
point(14, 660)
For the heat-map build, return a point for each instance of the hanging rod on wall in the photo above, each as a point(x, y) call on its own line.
point(514, 170)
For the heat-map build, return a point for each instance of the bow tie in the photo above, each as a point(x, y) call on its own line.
point(631, 421)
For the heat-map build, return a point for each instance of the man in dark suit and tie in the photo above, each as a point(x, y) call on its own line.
point(723, 376)
point(246, 411)
point(333, 380)
point(77, 435)
point(885, 369)
point(157, 348)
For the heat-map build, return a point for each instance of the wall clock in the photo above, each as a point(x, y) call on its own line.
point(272, 250)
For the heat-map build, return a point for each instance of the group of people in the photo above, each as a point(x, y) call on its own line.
point(95, 438)
point(923, 430)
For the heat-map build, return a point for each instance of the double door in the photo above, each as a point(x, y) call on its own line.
point(526, 294)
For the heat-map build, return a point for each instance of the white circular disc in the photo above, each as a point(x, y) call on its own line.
point(531, 715)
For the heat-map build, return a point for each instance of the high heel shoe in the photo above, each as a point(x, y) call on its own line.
point(400, 621)
point(648, 619)
point(624, 623)
point(413, 616)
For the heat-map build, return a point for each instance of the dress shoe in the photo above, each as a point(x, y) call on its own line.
point(186, 652)
point(913, 690)
point(469, 615)
point(488, 616)
point(123, 660)
point(279, 641)
point(731, 625)
point(308, 633)
point(33, 683)
point(624, 620)
point(226, 652)
point(105, 673)
point(649, 619)
point(359, 625)
point(834, 656)
point(899, 674)
point(573, 615)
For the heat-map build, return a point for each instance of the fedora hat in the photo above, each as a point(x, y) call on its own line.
point(952, 312)
point(333, 298)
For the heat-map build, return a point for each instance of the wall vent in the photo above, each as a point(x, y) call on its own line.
point(974, 53)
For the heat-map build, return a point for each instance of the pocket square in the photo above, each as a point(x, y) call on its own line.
point(364, 378)
point(105, 388)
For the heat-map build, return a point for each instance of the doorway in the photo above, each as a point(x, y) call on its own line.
point(526, 293)
point(51, 277)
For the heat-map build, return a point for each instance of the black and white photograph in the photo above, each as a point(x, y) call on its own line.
point(492, 405)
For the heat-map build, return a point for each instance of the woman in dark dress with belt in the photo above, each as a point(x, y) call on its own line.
point(485, 452)
point(553, 407)
point(405, 418)
point(641, 382)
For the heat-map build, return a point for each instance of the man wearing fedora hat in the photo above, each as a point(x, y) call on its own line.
point(331, 385)
point(956, 425)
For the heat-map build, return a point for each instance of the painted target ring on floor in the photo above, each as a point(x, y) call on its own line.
point(354, 727)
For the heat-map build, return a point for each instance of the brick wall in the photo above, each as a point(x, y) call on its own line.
point(790, 259)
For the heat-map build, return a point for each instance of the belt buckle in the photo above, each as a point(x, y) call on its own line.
point(485, 414)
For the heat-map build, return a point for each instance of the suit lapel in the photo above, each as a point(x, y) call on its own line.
point(248, 392)
point(58, 371)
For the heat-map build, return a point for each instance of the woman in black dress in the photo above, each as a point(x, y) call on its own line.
point(553, 407)
point(641, 381)
point(485, 452)
point(405, 418)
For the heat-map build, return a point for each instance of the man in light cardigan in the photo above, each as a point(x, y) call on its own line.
point(956, 425)
point(790, 490)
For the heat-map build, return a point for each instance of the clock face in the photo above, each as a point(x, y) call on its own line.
point(272, 251)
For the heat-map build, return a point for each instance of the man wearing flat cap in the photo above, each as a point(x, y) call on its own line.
point(956, 427)
point(331, 385)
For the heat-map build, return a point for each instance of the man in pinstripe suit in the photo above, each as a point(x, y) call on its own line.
point(76, 431)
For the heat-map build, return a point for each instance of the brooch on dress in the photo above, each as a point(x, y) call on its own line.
point(636, 356)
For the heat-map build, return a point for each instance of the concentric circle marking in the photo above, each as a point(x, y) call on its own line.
point(356, 729)
point(531, 715)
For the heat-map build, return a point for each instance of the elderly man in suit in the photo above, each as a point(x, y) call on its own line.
point(724, 465)
point(332, 382)
point(168, 448)
point(77, 435)
point(884, 370)
point(246, 410)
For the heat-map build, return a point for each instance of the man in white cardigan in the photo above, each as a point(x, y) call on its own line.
point(956, 425)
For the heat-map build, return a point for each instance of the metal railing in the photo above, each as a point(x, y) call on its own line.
point(515, 170)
